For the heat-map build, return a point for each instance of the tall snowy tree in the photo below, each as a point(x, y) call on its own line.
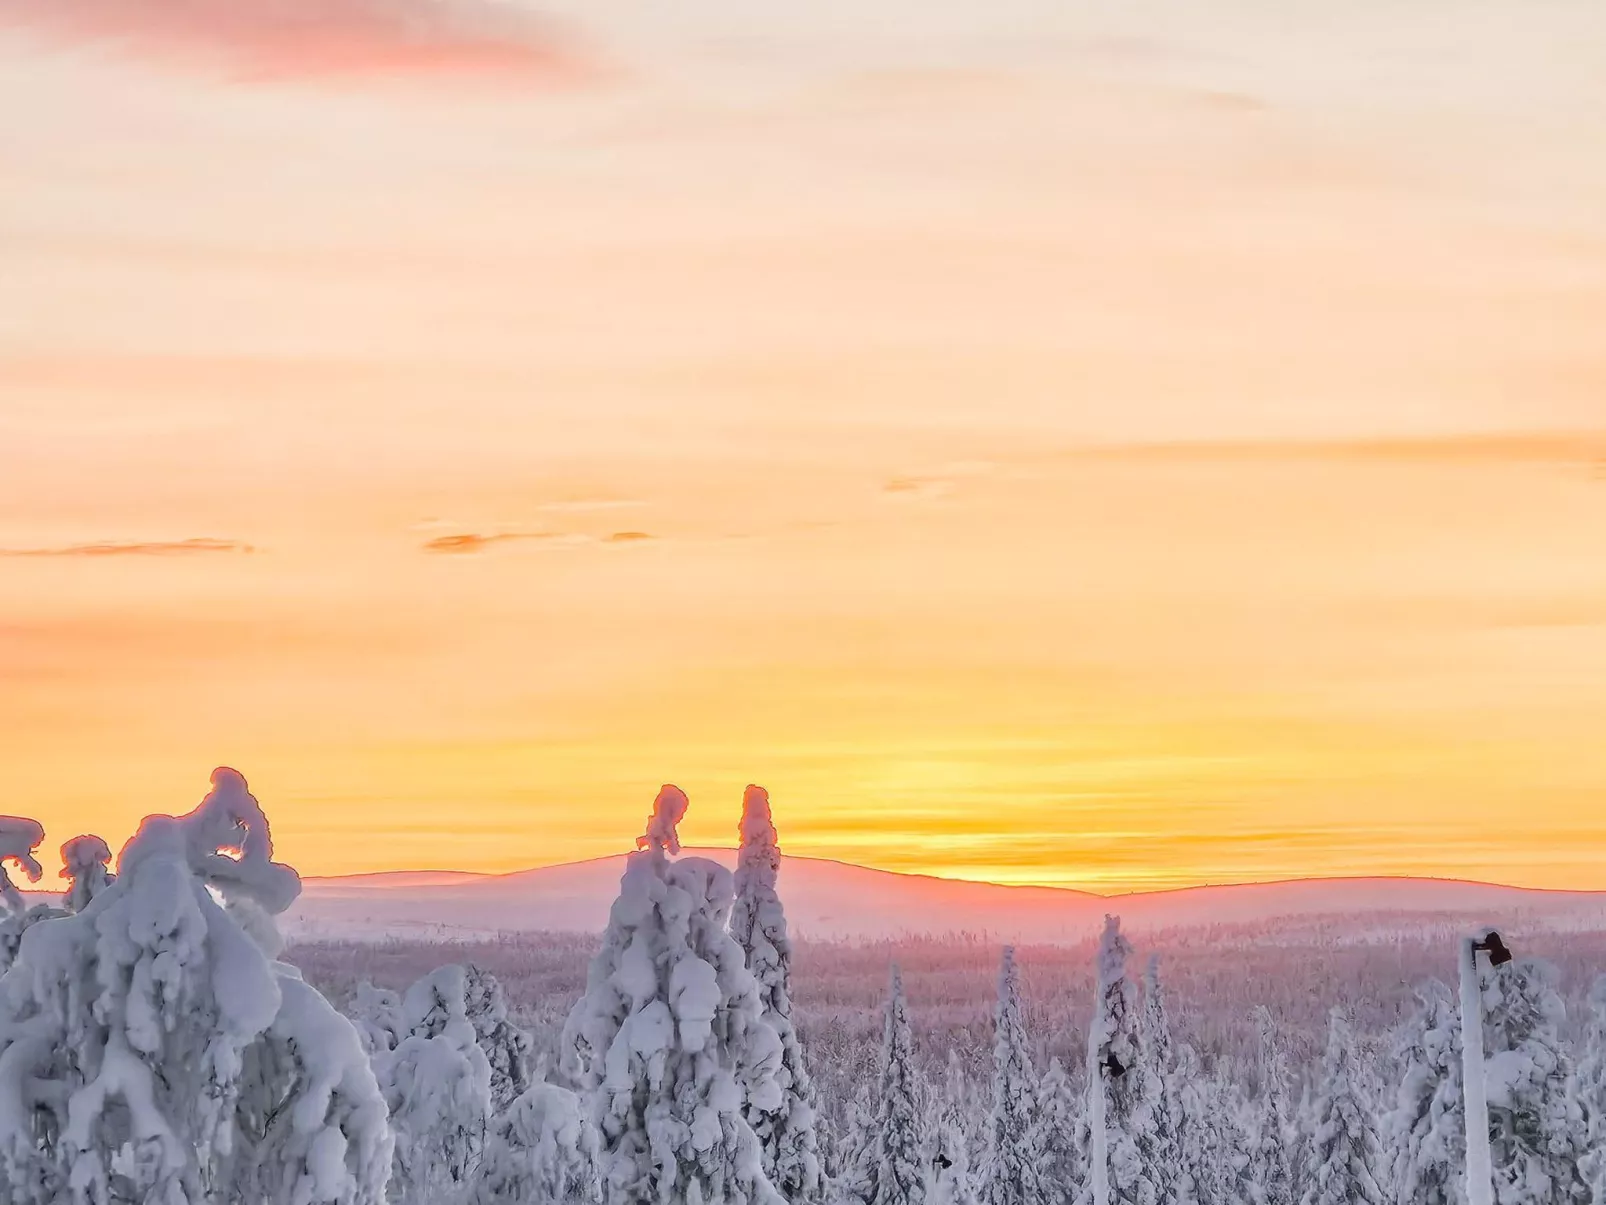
point(669, 1041)
point(1159, 1133)
point(19, 837)
point(1115, 1096)
point(542, 1150)
point(1009, 1171)
point(758, 923)
point(1424, 1134)
point(1218, 1135)
point(950, 1180)
point(84, 860)
point(152, 1050)
point(1343, 1156)
point(1059, 1158)
point(899, 1178)
point(437, 1085)
point(1589, 1091)
point(1535, 1125)
point(1271, 1123)
point(507, 1047)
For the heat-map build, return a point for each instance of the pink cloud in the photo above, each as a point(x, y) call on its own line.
point(274, 38)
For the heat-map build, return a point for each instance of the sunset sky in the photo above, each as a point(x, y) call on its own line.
point(1118, 445)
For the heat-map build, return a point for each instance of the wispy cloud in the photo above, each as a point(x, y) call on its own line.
point(289, 38)
point(116, 548)
point(465, 542)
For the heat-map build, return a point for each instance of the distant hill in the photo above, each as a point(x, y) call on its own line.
point(827, 899)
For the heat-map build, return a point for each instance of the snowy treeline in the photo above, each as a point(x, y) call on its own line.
point(156, 1048)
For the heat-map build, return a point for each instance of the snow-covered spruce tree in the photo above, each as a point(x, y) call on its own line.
point(1343, 1156)
point(151, 1051)
point(1271, 1166)
point(447, 996)
point(1114, 1094)
point(1161, 1123)
point(1009, 1169)
point(542, 1150)
point(758, 923)
point(669, 1040)
point(1197, 1183)
point(1589, 1090)
point(1535, 1126)
point(1424, 1134)
point(1059, 1160)
point(855, 1154)
point(899, 1178)
point(437, 1085)
point(1217, 1145)
point(84, 861)
point(19, 837)
point(950, 1180)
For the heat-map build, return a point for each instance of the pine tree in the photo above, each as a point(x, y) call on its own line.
point(1271, 1166)
point(84, 861)
point(1534, 1124)
point(1009, 1173)
point(669, 1040)
point(541, 1150)
point(1115, 1096)
point(1060, 1160)
point(758, 923)
point(1424, 1134)
point(1219, 1137)
point(19, 837)
point(1160, 1123)
point(950, 1180)
point(1589, 1090)
point(437, 1086)
point(154, 1051)
point(899, 1178)
point(1343, 1156)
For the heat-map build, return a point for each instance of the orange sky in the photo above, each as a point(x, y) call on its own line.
point(1148, 444)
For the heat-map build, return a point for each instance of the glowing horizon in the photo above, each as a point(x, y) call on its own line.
point(1111, 448)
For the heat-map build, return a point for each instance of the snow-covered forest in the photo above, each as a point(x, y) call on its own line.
point(160, 1044)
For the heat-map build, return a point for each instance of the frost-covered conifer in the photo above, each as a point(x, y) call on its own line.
point(899, 1178)
point(1271, 1124)
point(1535, 1126)
point(1161, 1121)
point(1059, 1158)
point(19, 837)
point(84, 861)
point(1424, 1134)
point(1115, 1096)
point(949, 1178)
point(669, 1040)
point(151, 1051)
point(1343, 1155)
point(542, 1150)
point(758, 923)
point(1009, 1171)
point(1589, 1090)
point(507, 1047)
point(437, 1085)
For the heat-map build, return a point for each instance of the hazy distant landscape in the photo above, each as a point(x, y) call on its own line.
point(830, 899)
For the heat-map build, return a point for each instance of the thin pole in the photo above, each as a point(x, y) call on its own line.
point(1480, 1177)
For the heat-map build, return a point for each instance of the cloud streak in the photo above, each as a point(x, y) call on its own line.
point(133, 548)
point(313, 38)
point(467, 543)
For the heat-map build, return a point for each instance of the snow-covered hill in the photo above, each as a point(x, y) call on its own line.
point(826, 899)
